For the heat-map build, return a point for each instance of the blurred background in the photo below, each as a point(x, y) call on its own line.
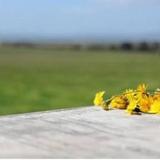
point(58, 54)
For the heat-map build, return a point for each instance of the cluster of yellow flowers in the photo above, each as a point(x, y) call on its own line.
point(133, 101)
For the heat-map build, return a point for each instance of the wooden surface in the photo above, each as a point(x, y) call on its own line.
point(87, 132)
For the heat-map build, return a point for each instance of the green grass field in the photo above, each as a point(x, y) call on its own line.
point(43, 79)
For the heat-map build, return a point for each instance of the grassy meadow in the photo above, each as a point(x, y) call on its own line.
point(42, 79)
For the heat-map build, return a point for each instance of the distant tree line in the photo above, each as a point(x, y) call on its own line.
point(142, 46)
point(128, 46)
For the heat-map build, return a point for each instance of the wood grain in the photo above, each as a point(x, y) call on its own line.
point(87, 132)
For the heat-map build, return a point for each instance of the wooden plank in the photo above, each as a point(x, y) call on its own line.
point(87, 132)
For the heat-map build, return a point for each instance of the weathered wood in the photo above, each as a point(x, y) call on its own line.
point(87, 132)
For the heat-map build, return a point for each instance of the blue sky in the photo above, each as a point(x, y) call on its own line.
point(79, 17)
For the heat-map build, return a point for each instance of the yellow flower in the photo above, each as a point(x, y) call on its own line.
point(155, 107)
point(129, 91)
point(134, 101)
point(119, 102)
point(99, 100)
point(142, 88)
point(143, 97)
point(132, 105)
point(145, 103)
point(157, 94)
